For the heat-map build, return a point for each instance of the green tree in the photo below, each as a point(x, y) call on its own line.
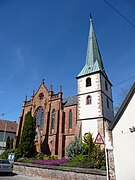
point(88, 144)
point(8, 143)
point(27, 147)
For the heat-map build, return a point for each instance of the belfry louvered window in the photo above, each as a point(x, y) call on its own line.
point(70, 118)
point(88, 82)
point(40, 117)
point(53, 118)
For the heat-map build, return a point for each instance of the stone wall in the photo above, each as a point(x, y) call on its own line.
point(58, 172)
point(111, 167)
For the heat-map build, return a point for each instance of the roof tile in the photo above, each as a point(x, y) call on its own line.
point(10, 126)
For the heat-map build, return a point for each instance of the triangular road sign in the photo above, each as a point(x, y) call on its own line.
point(99, 139)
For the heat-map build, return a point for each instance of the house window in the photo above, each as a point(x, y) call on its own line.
point(106, 86)
point(70, 118)
point(107, 103)
point(53, 119)
point(88, 100)
point(40, 117)
point(88, 82)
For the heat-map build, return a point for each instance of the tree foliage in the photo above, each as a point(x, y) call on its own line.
point(74, 148)
point(88, 144)
point(98, 158)
point(86, 154)
point(27, 147)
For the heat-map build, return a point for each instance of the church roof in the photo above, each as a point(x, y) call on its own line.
point(123, 107)
point(9, 125)
point(93, 57)
point(69, 101)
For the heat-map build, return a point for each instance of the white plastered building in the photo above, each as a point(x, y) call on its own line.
point(123, 131)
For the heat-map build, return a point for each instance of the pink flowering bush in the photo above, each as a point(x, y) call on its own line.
point(56, 162)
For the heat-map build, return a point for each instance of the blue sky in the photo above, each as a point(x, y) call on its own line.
point(48, 39)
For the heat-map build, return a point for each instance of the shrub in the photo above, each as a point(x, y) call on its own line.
point(98, 158)
point(40, 156)
point(74, 148)
point(86, 154)
point(88, 145)
point(78, 158)
point(4, 155)
point(54, 157)
point(75, 161)
point(25, 160)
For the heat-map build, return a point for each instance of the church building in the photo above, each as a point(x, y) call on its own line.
point(59, 120)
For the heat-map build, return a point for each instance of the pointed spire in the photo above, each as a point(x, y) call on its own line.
point(93, 58)
point(33, 94)
point(60, 88)
point(25, 98)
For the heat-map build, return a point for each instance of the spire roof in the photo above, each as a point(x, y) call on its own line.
point(93, 57)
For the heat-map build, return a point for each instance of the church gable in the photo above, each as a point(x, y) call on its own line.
point(42, 92)
point(40, 98)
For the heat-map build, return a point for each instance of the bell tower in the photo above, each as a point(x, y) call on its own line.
point(95, 105)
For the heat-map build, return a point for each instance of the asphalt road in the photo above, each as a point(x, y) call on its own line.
point(19, 177)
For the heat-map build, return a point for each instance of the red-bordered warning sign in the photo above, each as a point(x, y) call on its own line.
point(99, 139)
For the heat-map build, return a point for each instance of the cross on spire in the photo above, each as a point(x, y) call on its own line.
point(90, 17)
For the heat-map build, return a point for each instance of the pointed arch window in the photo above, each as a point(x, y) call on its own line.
point(88, 82)
point(70, 118)
point(53, 118)
point(40, 117)
point(88, 100)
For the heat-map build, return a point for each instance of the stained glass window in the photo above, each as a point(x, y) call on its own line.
point(40, 117)
point(53, 118)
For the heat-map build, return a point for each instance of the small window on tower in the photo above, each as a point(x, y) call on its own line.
point(106, 86)
point(88, 82)
point(88, 100)
point(107, 103)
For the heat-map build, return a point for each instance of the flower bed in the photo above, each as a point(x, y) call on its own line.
point(50, 162)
